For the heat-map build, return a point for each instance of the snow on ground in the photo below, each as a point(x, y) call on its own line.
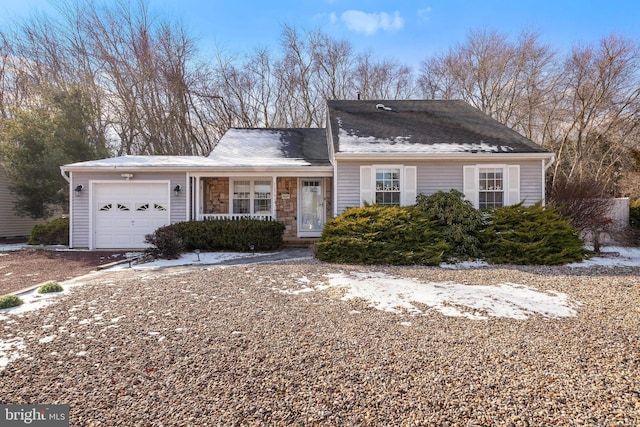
point(476, 302)
point(8, 247)
point(612, 256)
point(203, 258)
point(385, 292)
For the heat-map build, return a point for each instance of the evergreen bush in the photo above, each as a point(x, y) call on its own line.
point(166, 243)
point(55, 232)
point(50, 287)
point(530, 235)
point(634, 214)
point(458, 223)
point(242, 235)
point(381, 235)
point(9, 301)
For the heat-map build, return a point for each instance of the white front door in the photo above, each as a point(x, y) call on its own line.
point(125, 212)
point(311, 207)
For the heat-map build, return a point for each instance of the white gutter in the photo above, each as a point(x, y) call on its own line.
point(421, 156)
point(64, 175)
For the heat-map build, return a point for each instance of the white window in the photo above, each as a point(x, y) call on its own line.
point(391, 185)
point(388, 187)
point(489, 186)
point(251, 197)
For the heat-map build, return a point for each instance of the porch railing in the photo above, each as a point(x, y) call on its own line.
point(234, 217)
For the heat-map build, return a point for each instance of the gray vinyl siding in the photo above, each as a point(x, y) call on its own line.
point(531, 174)
point(80, 212)
point(12, 225)
point(434, 176)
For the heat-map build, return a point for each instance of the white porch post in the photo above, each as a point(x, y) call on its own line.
point(197, 197)
point(188, 193)
point(274, 197)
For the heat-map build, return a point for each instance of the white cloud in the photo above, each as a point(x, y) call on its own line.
point(370, 23)
point(333, 18)
point(424, 14)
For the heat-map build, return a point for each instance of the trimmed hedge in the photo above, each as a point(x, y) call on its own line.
point(381, 235)
point(243, 235)
point(531, 235)
point(55, 232)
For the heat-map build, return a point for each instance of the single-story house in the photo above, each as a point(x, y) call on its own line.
point(383, 152)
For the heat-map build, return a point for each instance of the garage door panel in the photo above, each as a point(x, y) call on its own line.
point(126, 212)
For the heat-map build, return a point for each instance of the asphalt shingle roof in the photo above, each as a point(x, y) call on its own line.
point(255, 146)
point(423, 126)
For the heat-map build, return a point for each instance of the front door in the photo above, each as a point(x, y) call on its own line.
point(312, 213)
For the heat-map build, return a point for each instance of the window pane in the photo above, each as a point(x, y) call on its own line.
point(388, 187)
point(491, 186)
point(241, 206)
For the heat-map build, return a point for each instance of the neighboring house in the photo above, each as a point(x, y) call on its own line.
point(383, 152)
point(12, 225)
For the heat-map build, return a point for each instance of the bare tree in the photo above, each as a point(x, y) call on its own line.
point(599, 111)
point(510, 81)
point(382, 79)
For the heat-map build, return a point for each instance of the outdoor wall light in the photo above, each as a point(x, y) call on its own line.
point(176, 189)
point(79, 188)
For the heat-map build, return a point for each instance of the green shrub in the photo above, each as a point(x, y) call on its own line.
point(9, 301)
point(530, 235)
point(634, 214)
point(458, 223)
point(381, 235)
point(55, 232)
point(166, 243)
point(50, 287)
point(241, 235)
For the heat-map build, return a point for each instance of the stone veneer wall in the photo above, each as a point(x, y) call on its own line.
point(216, 195)
point(216, 200)
point(287, 209)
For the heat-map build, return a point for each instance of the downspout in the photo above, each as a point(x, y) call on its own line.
point(546, 164)
point(68, 179)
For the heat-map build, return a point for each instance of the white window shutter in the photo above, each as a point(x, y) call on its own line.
point(513, 183)
point(366, 185)
point(470, 184)
point(410, 191)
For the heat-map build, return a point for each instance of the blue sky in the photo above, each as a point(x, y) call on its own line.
point(405, 30)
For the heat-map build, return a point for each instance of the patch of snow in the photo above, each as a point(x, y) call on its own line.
point(267, 149)
point(187, 259)
point(47, 339)
point(398, 295)
point(352, 143)
point(465, 265)
point(12, 247)
point(10, 350)
point(612, 256)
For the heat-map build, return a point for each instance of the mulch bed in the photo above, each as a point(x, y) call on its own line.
point(30, 267)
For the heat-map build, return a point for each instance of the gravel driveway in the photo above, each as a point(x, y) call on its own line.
point(236, 345)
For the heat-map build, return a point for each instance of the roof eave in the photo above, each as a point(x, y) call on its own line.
point(199, 169)
point(413, 156)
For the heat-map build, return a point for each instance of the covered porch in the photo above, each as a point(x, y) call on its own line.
point(301, 203)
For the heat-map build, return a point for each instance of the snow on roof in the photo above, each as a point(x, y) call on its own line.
point(271, 147)
point(123, 162)
point(351, 143)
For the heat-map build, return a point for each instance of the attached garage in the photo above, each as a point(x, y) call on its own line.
point(124, 212)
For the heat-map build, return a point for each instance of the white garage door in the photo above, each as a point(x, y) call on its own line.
point(125, 212)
